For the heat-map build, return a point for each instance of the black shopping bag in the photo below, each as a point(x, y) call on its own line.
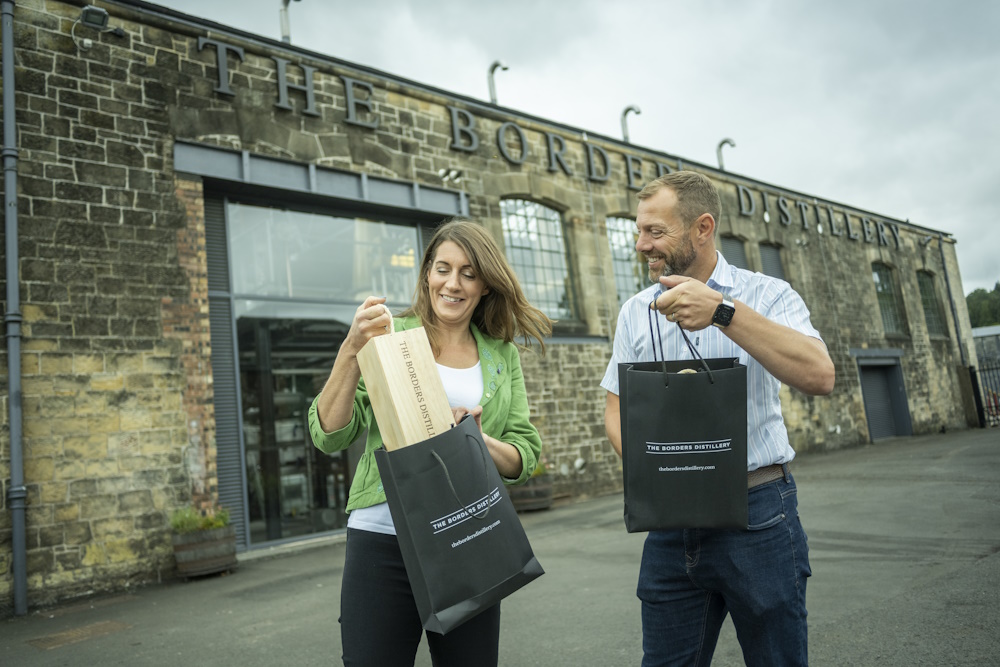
point(684, 444)
point(462, 542)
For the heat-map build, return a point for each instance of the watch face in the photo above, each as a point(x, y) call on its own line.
point(723, 315)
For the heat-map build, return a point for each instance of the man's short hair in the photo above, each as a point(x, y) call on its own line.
point(696, 195)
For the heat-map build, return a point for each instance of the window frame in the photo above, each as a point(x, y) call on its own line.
point(743, 248)
point(897, 299)
point(936, 309)
point(638, 273)
point(779, 255)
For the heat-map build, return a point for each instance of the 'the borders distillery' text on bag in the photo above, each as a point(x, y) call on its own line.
point(684, 443)
point(462, 542)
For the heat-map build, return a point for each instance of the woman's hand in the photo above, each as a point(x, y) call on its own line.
point(372, 318)
point(505, 456)
point(336, 402)
point(476, 412)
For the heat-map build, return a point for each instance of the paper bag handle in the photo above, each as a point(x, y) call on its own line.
point(659, 337)
point(447, 476)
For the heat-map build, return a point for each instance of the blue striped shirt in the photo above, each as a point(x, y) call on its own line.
point(767, 438)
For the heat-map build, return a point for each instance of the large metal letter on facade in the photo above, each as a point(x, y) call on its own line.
point(353, 103)
point(463, 137)
point(557, 155)
point(502, 141)
point(222, 50)
point(283, 87)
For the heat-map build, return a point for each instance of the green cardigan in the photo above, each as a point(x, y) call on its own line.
point(505, 417)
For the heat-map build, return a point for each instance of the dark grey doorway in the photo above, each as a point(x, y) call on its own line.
point(885, 400)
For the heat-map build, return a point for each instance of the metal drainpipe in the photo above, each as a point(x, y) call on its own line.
point(17, 492)
point(951, 302)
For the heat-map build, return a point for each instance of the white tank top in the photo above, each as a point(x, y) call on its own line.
point(464, 388)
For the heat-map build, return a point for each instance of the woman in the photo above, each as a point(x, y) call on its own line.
point(471, 305)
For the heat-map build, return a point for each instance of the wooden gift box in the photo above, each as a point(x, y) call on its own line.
point(404, 388)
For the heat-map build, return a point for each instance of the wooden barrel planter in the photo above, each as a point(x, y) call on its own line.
point(535, 494)
point(205, 551)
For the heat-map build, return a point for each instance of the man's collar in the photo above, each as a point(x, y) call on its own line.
point(722, 275)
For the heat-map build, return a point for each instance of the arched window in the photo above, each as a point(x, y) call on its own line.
point(889, 301)
point(630, 273)
point(932, 307)
point(536, 249)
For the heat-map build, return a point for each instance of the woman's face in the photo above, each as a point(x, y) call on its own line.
point(455, 288)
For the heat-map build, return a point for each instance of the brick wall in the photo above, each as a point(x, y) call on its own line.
point(104, 416)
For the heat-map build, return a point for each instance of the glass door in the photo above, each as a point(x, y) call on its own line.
point(293, 489)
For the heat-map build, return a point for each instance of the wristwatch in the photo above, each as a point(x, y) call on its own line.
point(724, 313)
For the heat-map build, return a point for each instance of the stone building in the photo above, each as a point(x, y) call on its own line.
point(201, 210)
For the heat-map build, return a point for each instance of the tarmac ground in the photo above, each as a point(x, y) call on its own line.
point(904, 540)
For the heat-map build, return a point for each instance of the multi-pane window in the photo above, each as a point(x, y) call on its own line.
point(536, 250)
point(732, 249)
point(770, 260)
point(932, 307)
point(630, 273)
point(889, 301)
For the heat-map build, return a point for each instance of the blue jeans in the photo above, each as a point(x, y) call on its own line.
point(690, 579)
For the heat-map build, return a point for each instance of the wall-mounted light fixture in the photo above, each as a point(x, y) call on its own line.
point(493, 88)
point(632, 108)
point(718, 150)
point(453, 175)
point(96, 18)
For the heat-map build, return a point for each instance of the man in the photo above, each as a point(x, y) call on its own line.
point(690, 579)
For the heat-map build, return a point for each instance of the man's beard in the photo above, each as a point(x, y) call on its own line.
point(677, 263)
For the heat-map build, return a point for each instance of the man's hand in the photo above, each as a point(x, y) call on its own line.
point(688, 302)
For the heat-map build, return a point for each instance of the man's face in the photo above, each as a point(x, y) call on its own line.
point(664, 240)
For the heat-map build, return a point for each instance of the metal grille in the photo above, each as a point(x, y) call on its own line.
point(229, 453)
point(630, 272)
point(215, 244)
point(732, 249)
point(932, 307)
point(888, 298)
point(533, 236)
point(770, 259)
point(426, 232)
point(986, 385)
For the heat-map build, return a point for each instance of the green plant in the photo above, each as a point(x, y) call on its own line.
point(188, 519)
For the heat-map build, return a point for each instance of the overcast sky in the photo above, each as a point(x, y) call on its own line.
point(892, 106)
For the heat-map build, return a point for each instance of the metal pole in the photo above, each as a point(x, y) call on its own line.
point(493, 88)
point(17, 492)
point(634, 109)
point(718, 151)
point(286, 35)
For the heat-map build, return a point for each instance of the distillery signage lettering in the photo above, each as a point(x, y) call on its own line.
point(465, 138)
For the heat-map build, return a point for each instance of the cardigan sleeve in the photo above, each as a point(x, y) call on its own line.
point(341, 438)
point(517, 427)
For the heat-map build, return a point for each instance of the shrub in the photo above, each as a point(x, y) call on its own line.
point(188, 519)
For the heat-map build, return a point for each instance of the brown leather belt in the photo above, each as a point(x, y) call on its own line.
point(766, 474)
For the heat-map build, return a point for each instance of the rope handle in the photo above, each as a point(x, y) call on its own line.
point(447, 476)
point(659, 336)
point(392, 322)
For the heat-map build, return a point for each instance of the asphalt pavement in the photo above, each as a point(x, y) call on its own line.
point(904, 540)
